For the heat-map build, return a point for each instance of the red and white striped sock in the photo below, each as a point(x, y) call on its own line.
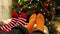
point(7, 27)
point(21, 21)
point(14, 23)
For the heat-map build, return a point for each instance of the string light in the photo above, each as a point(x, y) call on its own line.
point(37, 0)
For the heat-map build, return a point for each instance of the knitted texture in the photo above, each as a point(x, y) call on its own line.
point(13, 23)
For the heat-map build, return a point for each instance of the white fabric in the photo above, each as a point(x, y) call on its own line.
point(5, 9)
point(46, 30)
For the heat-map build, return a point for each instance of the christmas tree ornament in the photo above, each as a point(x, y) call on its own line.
point(52, 4)
point(49, 27)
point(30, 2)
point(48, 1)
point(29, 7)
point(49, 22)
point(44, 13)
point(38, 0)
point(45, 4)
point(46, 19)
point(41, 10)
point(21, 2)
point(50, 17)
point(54, 28)
point(36, 6)
point(34, 10)
point(18, 12)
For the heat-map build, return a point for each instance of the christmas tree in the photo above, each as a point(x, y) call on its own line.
point(45, 7)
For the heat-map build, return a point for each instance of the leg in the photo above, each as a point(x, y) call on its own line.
point(31, 23)
point(40, 22)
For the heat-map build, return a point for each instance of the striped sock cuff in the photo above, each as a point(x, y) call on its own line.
point(10, 25)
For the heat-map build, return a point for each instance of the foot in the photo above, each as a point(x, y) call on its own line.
point(40, 22)
point(30, 25)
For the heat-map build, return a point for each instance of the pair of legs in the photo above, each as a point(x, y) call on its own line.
point(35, 19)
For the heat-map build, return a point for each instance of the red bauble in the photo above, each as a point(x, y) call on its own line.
point(54, 28)
point(35, 10)
point(48, 1)
point(14, 14)
point(45, 4)
point(30, 10)
point(23, 15)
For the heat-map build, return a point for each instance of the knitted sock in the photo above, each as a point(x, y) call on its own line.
point(21, 20)
point(40, 22)
point(7, 27)
point(30, 25)
point(14, 23)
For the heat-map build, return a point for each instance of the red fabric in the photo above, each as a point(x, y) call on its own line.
point(14, 14)
point(14, 23)
point(23, 15)
point(5, 30)
point(35, 10)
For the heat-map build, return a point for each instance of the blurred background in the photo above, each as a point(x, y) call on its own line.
point(6, 7)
